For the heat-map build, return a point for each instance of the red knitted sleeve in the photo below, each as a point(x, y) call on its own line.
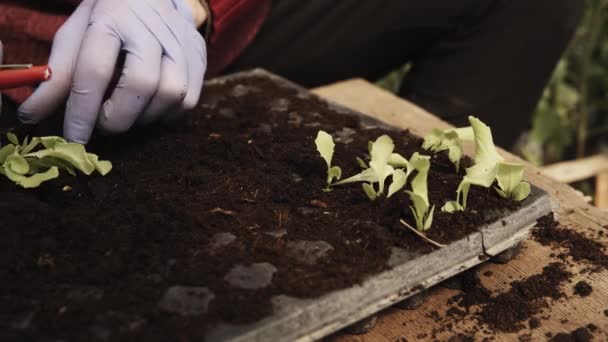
point(234, 25)
point(27, 28)
point(26, 31)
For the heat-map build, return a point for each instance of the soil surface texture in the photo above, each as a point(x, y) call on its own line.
point(206, 218)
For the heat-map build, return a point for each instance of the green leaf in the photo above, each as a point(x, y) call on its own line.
point(483, 172)
point(73, 153)
point(396, 160)
point(12, 138)
point(29, 169)
point(36, 179)
point(361, 163)
point(419, 208)
point(369, 191)
point(452, 206)
point(509, 175)
point(419, 193)
point(29, 147)
point(434, 140)
point(399, 179)
point(465, 133)
point(6, 151)
point(48, 162)
point(521, 191)
point(333, 172)
point(485, 151)
point(103, 167)
point(421, 164)
point(501, 193)
point(325, 146)
point(429, 219)
point(367, 175)
point(51, 141)
point(449, 139)
point(17, 164)
point(463, 190)
point(382, 149)
point(455, 154)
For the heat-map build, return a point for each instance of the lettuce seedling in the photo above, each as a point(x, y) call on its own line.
point(448, 139)
point(384, 162)
point(29, 168)
point(378, 170)
point(325, 146)
point(509, 177)
point(395, 159)
point(485, 170)
point(419, 193)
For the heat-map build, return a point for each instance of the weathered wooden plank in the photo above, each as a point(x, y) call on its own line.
point(577, 170)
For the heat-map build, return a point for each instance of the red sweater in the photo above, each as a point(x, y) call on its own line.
point(27, 28)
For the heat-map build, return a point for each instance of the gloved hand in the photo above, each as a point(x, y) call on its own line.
point(163, 69)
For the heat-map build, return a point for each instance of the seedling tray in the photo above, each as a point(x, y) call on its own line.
point(311, 319)
point(181, 242)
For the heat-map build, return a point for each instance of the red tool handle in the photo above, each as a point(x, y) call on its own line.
point(15, 78)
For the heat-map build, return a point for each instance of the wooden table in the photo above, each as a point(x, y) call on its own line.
point(573, 212)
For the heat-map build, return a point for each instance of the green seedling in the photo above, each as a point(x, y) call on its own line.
point(419, 193)
point(29, 165)
point(510, 184)
point(379, 169)
point(485, 170)
point(384, 162)
point(395, 159)
point(325, 146)
point(449, 139)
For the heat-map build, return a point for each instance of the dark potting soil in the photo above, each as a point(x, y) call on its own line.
point(549, 232)
point(583, 289)
point(510, 310)
point(206, 219)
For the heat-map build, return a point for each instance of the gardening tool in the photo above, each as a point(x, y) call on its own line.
point(20, 75)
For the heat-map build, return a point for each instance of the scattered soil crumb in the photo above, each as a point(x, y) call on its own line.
point(509, 311)
point(592, 327)
point(525, 338)
point(461, 338)
point(581, 334)
point(488, 273)
point(548, 232)
point(583, 289)
point(534, 323)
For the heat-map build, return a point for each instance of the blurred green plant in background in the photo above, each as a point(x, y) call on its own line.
point(571, 119)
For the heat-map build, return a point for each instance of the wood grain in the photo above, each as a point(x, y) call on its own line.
point(577, 170)
point(573, 211)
